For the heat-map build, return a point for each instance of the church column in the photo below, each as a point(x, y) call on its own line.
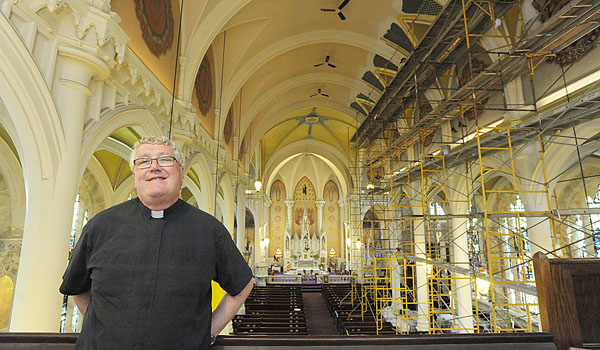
point(355, 232)
point(183, 61)
point(216, 129)
point(462, 285)
point(266, 228)
point(229, 213)
point(37, 303)
point(287, 237)
point(342, 233)
point(538, 228)
point(320, 233)
point(290, 207)
point(421, 267)
point(590, 250)
point(241, 219)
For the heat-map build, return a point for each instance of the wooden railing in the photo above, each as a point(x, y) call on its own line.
point(521, 341)
point(569, 299)
point(284, 279)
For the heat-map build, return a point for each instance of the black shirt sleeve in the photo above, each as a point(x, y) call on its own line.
point(76, 279)
point(233, 273)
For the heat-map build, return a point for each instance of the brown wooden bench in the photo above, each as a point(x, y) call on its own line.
point(569, 300)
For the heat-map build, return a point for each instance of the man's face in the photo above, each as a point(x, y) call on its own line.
point(157, 185)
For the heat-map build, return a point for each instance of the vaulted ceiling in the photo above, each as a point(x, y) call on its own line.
point(293, 71)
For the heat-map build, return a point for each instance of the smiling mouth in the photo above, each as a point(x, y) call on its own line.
point(158, 178)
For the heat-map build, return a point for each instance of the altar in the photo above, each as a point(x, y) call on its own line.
point(305, 248)
point(307, 265)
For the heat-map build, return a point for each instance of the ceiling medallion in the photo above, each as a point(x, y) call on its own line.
point(310, 119)
point(156, 22)
point(203, 86)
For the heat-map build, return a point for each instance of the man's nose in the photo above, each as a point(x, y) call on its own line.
point(154, 164)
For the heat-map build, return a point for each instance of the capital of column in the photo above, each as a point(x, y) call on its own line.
point(83, 64)
point(110, 38)
point(217, 112)
point(289, 203)
point(341, 202)
point(183, 61)
point(319, 203)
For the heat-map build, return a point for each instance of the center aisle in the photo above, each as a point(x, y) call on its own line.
point(318, 320)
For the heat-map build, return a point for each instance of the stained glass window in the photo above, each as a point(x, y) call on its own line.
point(595, 220)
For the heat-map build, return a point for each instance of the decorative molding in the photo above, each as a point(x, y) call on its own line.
point(577, 50)
point(157, 24)
point(124, 80)
point(10, 253)
point(96, 14)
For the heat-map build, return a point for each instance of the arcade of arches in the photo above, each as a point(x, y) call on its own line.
point(281, 92)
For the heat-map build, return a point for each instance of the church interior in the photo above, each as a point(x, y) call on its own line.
point(411, 160)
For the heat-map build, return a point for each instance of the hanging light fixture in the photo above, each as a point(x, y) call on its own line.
point(257, 184)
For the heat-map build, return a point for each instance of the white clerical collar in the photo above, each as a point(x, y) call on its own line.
point(158, 214)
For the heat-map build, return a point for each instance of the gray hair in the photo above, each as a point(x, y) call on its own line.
point(155, 140)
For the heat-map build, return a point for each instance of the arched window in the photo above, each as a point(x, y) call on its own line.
point(517, 227)
point(76, 227)
point(595, 220)
point(473, 238)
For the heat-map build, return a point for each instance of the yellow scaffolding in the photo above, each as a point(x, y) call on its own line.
point(441, 281)
point(402, 284)
point(509, 263)
point(486, 7)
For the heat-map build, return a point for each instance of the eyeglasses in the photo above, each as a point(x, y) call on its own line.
point(146, 162)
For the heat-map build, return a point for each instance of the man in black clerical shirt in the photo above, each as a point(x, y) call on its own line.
point(141, 272)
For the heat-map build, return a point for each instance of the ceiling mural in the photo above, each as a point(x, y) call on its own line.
point(228, 128)
point(305, 191)
point(204, 87)
point(156, 22)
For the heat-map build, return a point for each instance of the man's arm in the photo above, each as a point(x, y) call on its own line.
point(228, 307)
point(82, 300)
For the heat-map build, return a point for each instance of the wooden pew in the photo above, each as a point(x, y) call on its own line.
point(569, 300)
point(272, 310)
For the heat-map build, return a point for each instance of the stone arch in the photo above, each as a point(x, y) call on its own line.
point(204, 32)
point(559, 158)
point(293, 42)
point(300, 193)
point(122, 192)
point(228, 205)
point(201, 167)
point(105, 188)
point(196, 192)
point(31, 120)
point(329, 154)
point(277, 90)
point(272, 118)
point(116, 119)
point(13, 177)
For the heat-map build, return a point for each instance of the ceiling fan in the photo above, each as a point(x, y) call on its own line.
point(326, 62)
point(319, 93)
point(338, 10)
